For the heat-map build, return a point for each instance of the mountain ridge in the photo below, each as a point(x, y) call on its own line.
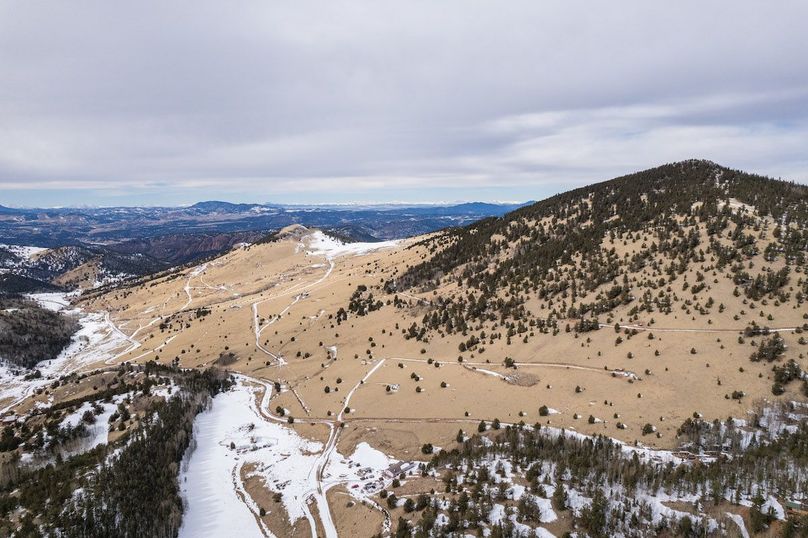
point(693, 177)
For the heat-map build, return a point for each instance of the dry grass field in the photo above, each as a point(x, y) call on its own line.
point(270, 311)
point(294, 294)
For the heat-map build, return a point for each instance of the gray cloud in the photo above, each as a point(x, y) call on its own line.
point(163, 102)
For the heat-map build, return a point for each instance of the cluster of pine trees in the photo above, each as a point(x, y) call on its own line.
point(29, 333)
point(615, 484)
point(129, 488)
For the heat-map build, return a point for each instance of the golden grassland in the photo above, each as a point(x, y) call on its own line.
point(290, 296)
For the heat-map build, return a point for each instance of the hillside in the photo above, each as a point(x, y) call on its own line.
point(178, 249)
point(30, 333)
point(529, 246)
point(75, 266)
point(493, 377)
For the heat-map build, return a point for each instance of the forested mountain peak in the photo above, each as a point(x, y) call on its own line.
point(569, 245)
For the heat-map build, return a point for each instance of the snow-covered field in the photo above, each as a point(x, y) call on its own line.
point(55, 301)
point(213, 506)
point(234, 433)
point(319, 243)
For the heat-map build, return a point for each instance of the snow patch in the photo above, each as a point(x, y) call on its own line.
point(23, 251)
point(739, 522)
point(56, 301)
point(319, 243)
point(776, 508)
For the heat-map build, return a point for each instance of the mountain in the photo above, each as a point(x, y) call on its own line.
point(72, 266)
point(91, 246)
point(178, 249)
point(69, 226)
point(624, 359)
point(477, 208)
point(17, 284)
point(214, 206)
point(558, 246)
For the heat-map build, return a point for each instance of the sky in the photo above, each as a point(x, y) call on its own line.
point(169, 103)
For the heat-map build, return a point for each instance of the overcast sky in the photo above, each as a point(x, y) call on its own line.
point(130, 103)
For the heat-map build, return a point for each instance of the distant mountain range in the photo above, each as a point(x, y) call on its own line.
point(89, 247)
point(72, 226)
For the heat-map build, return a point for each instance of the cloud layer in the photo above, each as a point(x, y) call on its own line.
point(154, 102)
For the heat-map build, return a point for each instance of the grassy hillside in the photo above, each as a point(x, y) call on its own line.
point(555, 248)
